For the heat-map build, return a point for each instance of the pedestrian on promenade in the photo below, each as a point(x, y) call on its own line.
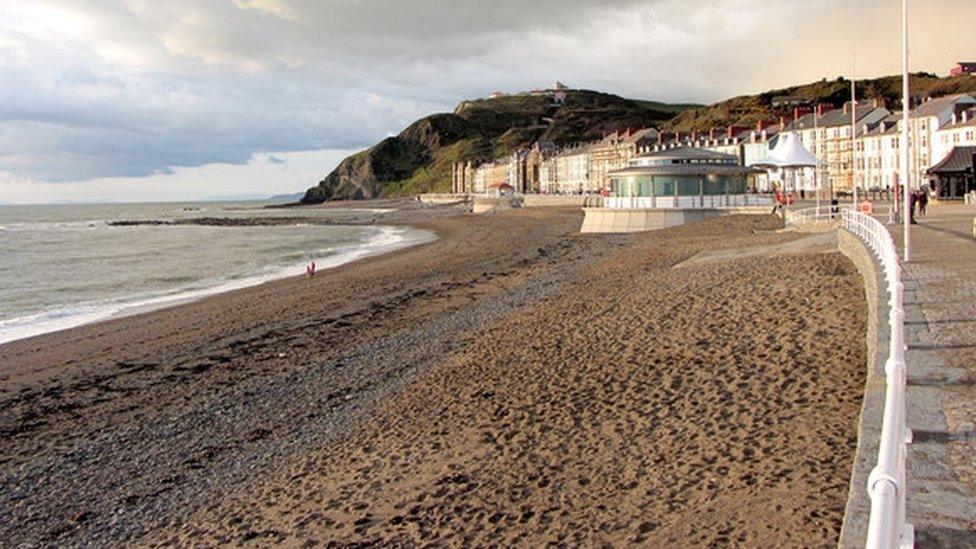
point(912, 202)
point(923, 201)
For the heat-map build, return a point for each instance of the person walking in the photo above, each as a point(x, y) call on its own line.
point(923, 201)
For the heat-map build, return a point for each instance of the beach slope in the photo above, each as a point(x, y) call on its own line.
point(513, 382)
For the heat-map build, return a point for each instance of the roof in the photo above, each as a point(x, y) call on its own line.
point(886, 125)
point(959, 160)
point(580, 149)
point(833, 118)
point(686, 169)
point(934, 107)
point(970, 121)
point(688, 153)
point(649, 133)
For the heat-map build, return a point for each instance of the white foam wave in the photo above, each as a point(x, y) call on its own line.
point(54, 225)
point(386, 240)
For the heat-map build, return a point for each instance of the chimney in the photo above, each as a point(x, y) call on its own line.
point(760, 125)
point(800, 111)
point(965, 116)
point(782, 122)
point(878, 102)
point(954, 117)
point(847, 107)
point(822, 109)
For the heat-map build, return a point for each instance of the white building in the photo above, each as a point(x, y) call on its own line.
point(876, 156)
point(827, 134)
point(935, 128)
point(926, 120)
point(959, 132)
point(567, 172)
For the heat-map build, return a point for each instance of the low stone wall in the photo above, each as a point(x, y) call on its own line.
point(443, 198)
point(618, 220)
point(855, 527)
point(556, 200)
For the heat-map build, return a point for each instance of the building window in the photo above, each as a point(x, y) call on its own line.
point(663, 186)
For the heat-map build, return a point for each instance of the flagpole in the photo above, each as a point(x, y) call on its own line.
point(905, 106)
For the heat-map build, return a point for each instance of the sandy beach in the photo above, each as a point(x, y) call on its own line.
point(511, 383)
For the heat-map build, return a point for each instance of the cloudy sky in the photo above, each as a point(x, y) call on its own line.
point(180, 99)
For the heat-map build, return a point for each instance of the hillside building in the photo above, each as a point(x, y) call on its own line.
point(963, 67)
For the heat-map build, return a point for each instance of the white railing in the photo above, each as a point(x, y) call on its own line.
point(688, 202)
point(887, 527)
point(886, 484)
point(814, 214)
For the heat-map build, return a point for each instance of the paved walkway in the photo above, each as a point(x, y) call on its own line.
point(940, 302)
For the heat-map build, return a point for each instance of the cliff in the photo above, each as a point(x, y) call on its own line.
point(419, 159)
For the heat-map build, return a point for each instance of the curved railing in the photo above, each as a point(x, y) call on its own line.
point(813, 214)
point(887, 527)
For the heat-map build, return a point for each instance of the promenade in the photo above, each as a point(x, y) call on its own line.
point(940, 303)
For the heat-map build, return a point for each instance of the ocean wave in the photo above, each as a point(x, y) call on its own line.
point(385, 240)
point(54, 225)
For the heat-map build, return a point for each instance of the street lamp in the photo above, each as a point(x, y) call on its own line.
point(905, 106)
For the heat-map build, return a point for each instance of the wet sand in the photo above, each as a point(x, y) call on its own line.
point(513, 383)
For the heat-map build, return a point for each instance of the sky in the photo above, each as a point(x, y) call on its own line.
point(147, 100)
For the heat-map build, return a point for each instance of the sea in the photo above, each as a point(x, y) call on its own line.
point(63, 266)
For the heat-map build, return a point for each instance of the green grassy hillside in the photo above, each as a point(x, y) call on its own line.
point(747, 109)
point(420, 158)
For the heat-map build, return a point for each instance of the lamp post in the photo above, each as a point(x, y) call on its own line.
point(905, 106)
point(816, 167)
point(853, 136)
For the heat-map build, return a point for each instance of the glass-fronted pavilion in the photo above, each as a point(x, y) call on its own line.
point(681, 172)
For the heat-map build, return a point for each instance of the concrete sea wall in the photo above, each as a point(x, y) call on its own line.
point(854, 529)
point(616, 220)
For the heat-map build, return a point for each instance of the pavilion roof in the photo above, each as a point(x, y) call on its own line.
point(959, 160)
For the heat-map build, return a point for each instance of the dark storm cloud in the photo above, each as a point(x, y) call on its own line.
point(134, 87)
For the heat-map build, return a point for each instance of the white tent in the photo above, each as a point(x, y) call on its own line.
point(789, 155)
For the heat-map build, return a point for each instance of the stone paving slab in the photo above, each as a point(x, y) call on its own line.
point(940, 303)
